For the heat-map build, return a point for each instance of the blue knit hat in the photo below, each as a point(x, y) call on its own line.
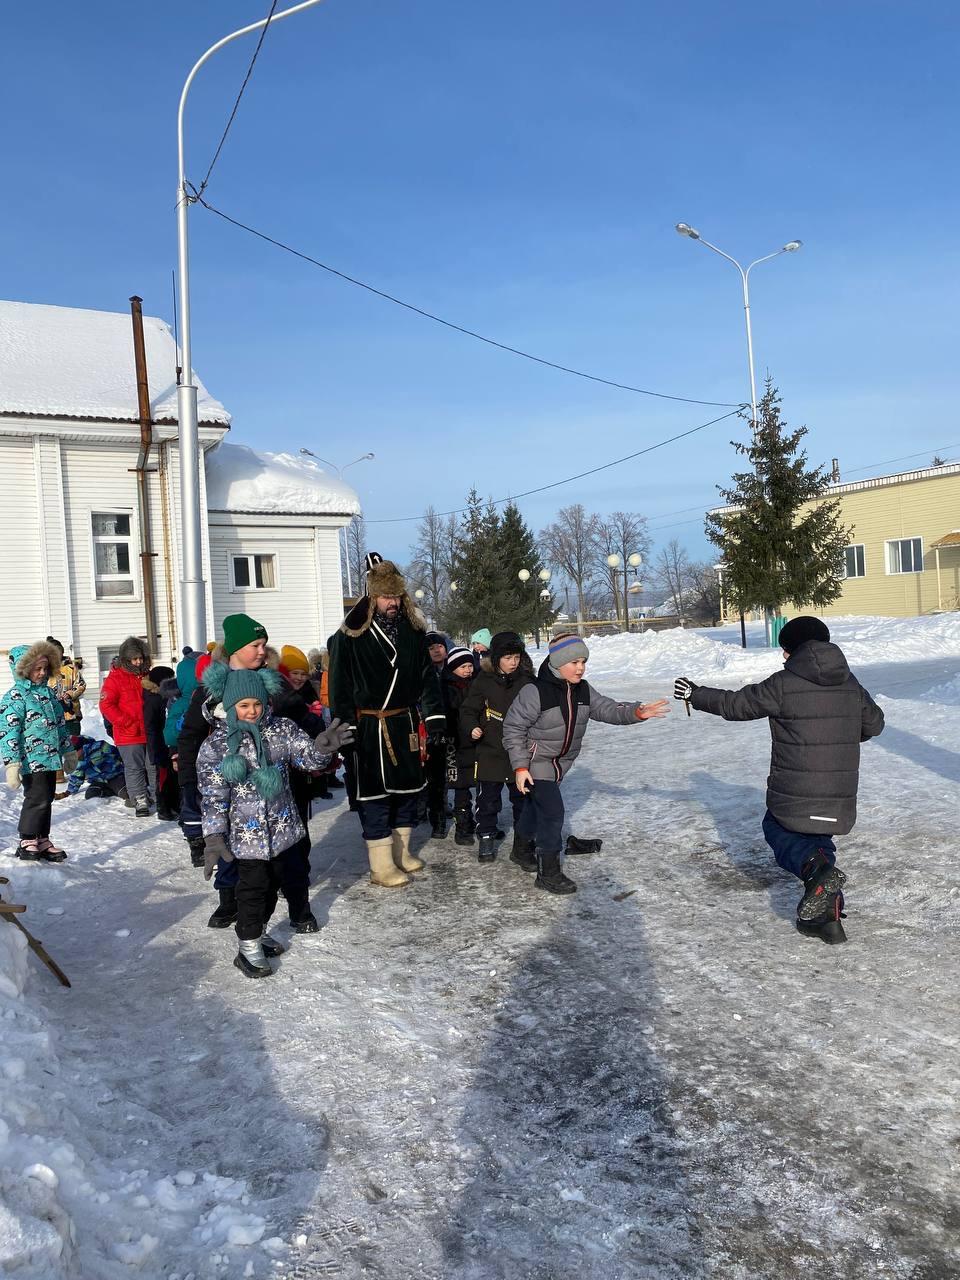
point(232, 687)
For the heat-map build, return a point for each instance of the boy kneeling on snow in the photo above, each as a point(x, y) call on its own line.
point(819, 714)
point(247, 806)
point(542, 733)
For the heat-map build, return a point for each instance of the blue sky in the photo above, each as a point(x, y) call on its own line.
point(518, 168)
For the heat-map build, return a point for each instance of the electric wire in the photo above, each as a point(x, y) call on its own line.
point(449, 324)
point(555, 484)
point(246, 80)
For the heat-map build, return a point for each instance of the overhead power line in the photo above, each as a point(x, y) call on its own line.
point(246, 80)
point(449, 324)
point(555, 484)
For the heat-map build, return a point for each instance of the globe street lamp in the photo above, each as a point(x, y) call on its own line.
point(192, 585)
point(635, 560)
point(364, 457)
point(544, 575)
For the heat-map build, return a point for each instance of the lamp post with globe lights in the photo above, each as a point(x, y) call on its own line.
point(544, 576)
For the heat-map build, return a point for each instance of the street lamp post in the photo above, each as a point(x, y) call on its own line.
point(192, 585)
point(791, 246)
point(544, 575)
point(635, 560)
point(340, 470)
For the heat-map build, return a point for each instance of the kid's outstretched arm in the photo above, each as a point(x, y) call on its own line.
point(755, 702)
point(608, 711)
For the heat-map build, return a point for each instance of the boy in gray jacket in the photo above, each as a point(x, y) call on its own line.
point(542, 733)
point(819, 714)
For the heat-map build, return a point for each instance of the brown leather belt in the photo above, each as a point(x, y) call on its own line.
point(381, 716)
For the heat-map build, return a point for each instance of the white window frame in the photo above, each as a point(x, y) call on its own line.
point(891, 542)
point(131, 539)
point(102, 651)
point(854, 546)
point(250, 556)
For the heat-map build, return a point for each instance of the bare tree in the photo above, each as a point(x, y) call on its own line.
point(567, 545)
point(672, 570)
point(430, 566)
point(622, 533)
point(702, 595)
point(355, 535)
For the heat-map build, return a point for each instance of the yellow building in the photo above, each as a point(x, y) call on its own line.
point(904, 554)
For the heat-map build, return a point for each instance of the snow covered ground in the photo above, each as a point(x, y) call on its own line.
point(470, 1079)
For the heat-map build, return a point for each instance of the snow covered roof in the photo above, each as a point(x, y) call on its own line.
point(244, 480)
point(65, 362)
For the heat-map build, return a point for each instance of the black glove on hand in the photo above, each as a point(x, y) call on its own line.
point(683, 687)
point(332, 740)
point(214, 848)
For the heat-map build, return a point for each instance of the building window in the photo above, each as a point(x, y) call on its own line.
point(854, 562)
point(105, 659)
point(253, 573)
point(112, 555)
point(905, 555)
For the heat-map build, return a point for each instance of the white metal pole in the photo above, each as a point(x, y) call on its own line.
point(192, 585)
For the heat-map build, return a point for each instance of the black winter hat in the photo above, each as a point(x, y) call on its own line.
point(435, 637)
point(504, 643)
point(799, 630)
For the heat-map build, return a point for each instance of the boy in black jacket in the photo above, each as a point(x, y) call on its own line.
point(503, 673)
point(819, 714)
point(458, 674)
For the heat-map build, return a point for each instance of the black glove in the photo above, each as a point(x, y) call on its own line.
point(214, 848)
point(335, 738)
point(683, 688)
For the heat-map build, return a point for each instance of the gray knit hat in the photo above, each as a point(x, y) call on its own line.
point(568, 648)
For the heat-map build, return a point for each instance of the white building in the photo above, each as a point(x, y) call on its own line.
point(90, 499)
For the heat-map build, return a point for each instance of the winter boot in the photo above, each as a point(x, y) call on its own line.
point(465, 826)
point(251, 959)
point(271, 947)
point(196, 847)
point(438, 827)
point(826, 927)
point(550, 875)
point(49, 852)
point(226, 914)
point(307, 923)
point(576, 845)
point(142, 809)
point(27, 851)
point(499, 834)
point(821, 879)
point(402, 857)
point(165, 813)
point(523, 853)
point(488, 849)
point(382, 869)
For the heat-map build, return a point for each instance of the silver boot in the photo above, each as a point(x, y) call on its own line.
point(250, 959)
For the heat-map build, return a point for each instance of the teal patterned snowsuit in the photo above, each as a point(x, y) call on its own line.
point(33, 732)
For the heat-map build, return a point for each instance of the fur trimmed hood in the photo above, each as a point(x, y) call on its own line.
point(360, 617)
point(134, 647)
point(25, 656)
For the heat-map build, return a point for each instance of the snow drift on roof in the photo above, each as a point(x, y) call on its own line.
point(242, 479)
point(65, 362)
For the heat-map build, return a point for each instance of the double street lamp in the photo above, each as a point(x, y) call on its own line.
point(364, 457)
point(632, 561)
point(544, 575)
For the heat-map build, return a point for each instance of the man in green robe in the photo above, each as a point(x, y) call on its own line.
point(383, 684)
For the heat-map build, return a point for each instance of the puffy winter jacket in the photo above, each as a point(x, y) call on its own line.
point(819, 714)
point(69, 685)
point(99, 762)
point(544, 728)
point(255, 828)
point(488, 700)
point(33, 732)
point(186, 681)
point(121, 702)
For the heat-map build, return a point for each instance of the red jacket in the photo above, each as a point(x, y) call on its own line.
point(121, 702)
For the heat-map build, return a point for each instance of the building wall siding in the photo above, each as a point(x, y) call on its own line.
point(22, 578)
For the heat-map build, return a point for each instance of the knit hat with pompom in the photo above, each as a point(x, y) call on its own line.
point(232, 687)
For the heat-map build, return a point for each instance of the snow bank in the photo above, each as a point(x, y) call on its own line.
point(70, 363)
point(242, 479)
point(715, 654)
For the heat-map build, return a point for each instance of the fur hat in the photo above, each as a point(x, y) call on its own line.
point(24, 657)
point(383, 579)
point(133, 647)
point(799, 630)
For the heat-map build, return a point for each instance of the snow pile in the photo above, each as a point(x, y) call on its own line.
point(242, 479)
point(66, 362)
point(948, 693)
point(714, 655)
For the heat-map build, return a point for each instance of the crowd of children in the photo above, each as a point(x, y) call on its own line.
point(238, 742)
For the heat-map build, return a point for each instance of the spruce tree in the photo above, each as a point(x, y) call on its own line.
point(518, 604)
point(474, 569)
point(774, 551)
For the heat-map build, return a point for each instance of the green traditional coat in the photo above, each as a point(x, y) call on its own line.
point(368, 674)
